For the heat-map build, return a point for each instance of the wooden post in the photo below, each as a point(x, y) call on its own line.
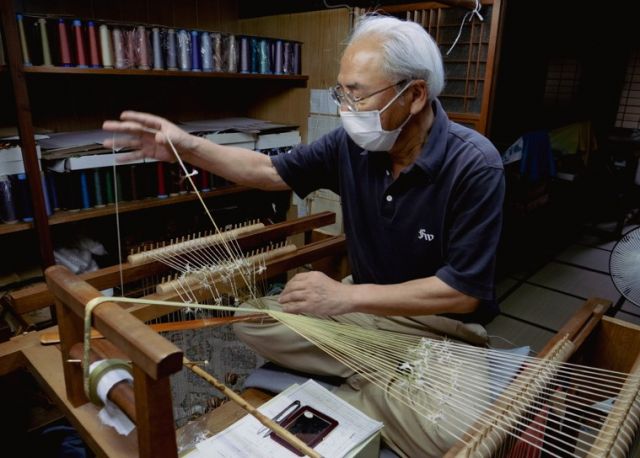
point(71, 331)
point(154, 414)
point(25, 129)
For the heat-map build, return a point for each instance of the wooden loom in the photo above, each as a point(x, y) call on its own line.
point(154, 357)
point(597, 341)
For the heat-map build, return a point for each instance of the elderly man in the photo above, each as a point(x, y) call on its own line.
point(422, 199)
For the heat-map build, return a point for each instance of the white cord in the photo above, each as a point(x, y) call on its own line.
point(469, 14)
point(115, 197)
point(531, 350)
point(326, 5)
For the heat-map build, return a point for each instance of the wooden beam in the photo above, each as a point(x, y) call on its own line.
point(146, 349)
point(309, 253)
point(38, 296)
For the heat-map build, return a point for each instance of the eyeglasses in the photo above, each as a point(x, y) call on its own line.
point(343, 98)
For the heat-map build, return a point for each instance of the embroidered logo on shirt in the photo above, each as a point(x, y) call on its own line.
point(422, 235)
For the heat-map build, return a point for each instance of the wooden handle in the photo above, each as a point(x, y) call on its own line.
point(51, 338)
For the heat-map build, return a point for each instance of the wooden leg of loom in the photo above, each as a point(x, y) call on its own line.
point(156, 429)
point(71, 330)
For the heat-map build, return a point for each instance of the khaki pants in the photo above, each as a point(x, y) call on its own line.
point(407, 432)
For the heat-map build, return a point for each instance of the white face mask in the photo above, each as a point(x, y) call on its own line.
point(365, 127)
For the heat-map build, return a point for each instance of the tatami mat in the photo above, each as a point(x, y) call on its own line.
point(584, 256)
point(540, 306)
point(504, 286)
point(514, 333)
point(630, 308)
point(538, 298)
point(574, 280)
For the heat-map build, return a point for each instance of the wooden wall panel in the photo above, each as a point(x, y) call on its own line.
point(323, 34)
point(469, 69)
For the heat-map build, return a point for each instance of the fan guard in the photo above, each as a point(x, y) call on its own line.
point(624, 266)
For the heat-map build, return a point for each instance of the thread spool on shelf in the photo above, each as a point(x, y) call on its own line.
point(130, 53)
point(44, 42)
point(172, 58)
point(81, 57)
point(279, 56)
point(255, 55)
point(217, 52)
point(286, 61)
point(245, 56)
point(158, 61)
point(94, 56)
point(264, 55)
point(118, 48)
point(232, 54)
point(26, 57)
point(106, 46)
point(142, 48)
point(206, 52)
point(184, 48)
point(195, 51)
point(63, 43)
point(8, 212)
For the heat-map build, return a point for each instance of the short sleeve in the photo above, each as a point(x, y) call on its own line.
point(474, 233)
point(306, 168)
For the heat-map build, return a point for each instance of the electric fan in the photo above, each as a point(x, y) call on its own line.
point(624, 266)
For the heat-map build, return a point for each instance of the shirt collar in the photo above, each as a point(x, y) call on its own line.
point(432, 155)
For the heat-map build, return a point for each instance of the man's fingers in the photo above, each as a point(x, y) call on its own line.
point(126, 127)
point(290, 308)
point(293, 296)
point(146, 119)
point(298, 278)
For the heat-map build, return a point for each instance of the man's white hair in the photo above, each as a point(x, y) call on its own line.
point(409, 52)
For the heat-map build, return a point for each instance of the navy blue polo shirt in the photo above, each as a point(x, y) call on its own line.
point(442, 216)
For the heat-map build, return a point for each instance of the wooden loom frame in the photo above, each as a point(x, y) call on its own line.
point(587, 329)
point(599, 340)
point(154, 359)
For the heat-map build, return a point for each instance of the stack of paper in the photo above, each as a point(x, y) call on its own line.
point(246, 438)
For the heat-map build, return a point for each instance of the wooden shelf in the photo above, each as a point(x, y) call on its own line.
point(63, 217)
point(15, 227)
point(161, 73)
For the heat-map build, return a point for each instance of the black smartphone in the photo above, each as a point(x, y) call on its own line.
point(308, 425)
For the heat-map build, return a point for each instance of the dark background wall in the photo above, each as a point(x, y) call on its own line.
point(249, 9)
point(601, 39)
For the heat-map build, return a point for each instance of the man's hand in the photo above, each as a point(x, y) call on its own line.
point(317, 294)
point(147, 135)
